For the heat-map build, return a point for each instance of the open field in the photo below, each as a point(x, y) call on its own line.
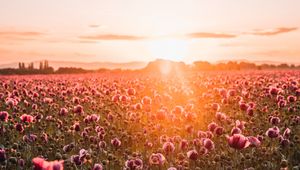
point(206, 120)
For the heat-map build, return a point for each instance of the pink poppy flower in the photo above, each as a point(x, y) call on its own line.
point(26, 118)
point(238, 141)
point(134, 164)
point(3, 116)
point(168, 147)
point(41, 164)
point(157, 159)
point(235, 130)
point(208, 144)
point(97, 167)
point(192, 154)
point(254, 141)
point(273, 132)
point(2, 155)
point(116, 142)
point(146, 100)
point(131, 91)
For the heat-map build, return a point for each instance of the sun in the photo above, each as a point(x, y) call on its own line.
point(169, 49)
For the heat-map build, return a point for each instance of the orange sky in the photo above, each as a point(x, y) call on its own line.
point(142, 30)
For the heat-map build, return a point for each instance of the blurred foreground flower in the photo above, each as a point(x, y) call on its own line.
point(41, 164)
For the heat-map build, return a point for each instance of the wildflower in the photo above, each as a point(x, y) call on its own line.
point(281, 103)
point(78, 109)
point(2, 155)
point(283, 141)
point(19, 127)
point(192, 154)
point(29, 138)
point(63, 111)
point(240, 124)
point(209, 134)
point(146, 100)
point(243, 106)
point(183, 144)
point(82, 154)
point(291, 98)
point(76, 126)
point(215, 106)
point(123, 98)
point(3, 116)
point(97, 167)
point(138, 106)
point(41, 164)
point(274, 91)
point(220, 116)
point(208, 144)
point(157, 159)
point(250, 111)
point(201, 134)
point(134, 164)
point(286, 133)
point(231, 92)
point(48, 100)
point(178, 110)
point(212, 126)
point(235, 130)
point(131, 91)
point(116, 142)
point(21, 162)
point(274, 120)
point(254, 141)
point(115, 98)
point(26, 118)
point(76, 160)
point(168, 147)
point(219, 130)
point(238, 141)
point(273, 132)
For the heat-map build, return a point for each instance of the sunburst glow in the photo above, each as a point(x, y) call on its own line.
point(170, 49)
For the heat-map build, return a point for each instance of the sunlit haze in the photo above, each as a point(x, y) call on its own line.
point(143, 30)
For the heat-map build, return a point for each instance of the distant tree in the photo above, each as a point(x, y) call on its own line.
point(71, 70)
point(46, 64)
point(246, 65)
point(41, 65)
point(284, 65)
point(23, 65)
point(202, 65)
point(31, 66)
point(292, 66)
point(20, 65)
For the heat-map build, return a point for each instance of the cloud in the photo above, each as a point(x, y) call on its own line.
point(9, 36)
point(269, 32)
point(111, 37)
point(277, 53)
point(210, 35)
point(273, 31)
point(94, 26)
point(21, 33)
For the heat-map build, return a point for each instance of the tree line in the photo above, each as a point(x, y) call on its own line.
point(45, 68)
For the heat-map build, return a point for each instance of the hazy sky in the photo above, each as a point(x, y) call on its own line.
point(142, 30)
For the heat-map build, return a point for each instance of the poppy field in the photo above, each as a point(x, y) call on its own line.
point(205, 120)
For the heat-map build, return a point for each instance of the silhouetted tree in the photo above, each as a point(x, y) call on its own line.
point(41, 65)
point(31, 66)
